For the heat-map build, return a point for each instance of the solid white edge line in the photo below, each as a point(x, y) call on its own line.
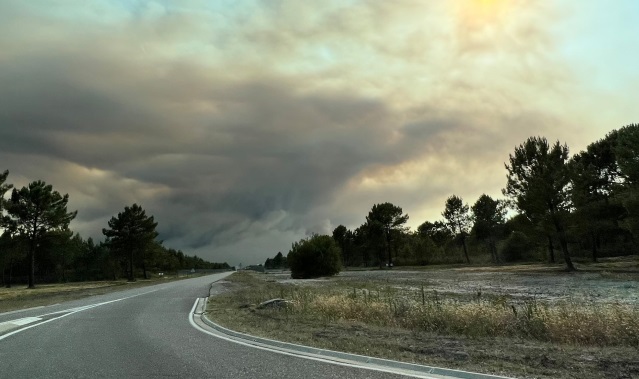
point(70, 312)
point(303, 356)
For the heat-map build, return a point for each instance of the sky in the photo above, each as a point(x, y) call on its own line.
point(243, 126)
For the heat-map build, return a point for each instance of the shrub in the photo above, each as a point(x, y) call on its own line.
point(314, 257)
point(516, 246)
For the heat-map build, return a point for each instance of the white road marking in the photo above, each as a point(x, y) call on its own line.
point(24, 310)
point(69, 312)
point(300, 355)
point(25, 321)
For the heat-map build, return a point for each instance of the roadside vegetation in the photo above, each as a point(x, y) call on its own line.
point(556, 208)
point(37, 245)
point(16, 297)
point(560, 250)
point(314, 257)
point(408, 316)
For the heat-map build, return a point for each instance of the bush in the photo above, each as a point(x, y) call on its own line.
point(516, 246)
point(314, 257)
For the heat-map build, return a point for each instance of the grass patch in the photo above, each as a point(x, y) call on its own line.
point(408, 321)
point(19, 297)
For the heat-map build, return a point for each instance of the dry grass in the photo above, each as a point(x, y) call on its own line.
point(20, 297)
point(493, 334)
point(563, 322)
point(625, 265)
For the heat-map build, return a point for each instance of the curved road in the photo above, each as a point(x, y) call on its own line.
point(141, 333)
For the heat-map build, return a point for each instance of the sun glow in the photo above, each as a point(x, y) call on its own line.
point(481, 11)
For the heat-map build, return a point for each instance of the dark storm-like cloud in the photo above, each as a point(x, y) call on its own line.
point(260, 148)
point(241, 132)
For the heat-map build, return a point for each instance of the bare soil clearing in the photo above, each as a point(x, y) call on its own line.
point(611, 283)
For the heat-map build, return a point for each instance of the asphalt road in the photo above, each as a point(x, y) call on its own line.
point(141, 333)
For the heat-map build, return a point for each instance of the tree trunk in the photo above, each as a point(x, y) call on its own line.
point(564, 244)
point(64, 263)
point(143, 248)
point(10, 271)
point(551, 250)
point(564, 249)
point(32, 247)
point(32, 264)
point(388, 246)
point(345, 255)
point(131, 278)
point(493, 249)
point(465, 250)
point(593, 236)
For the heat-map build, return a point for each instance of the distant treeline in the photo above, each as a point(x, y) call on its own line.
point(36, 244)
point(554, 207)
point(279, 261)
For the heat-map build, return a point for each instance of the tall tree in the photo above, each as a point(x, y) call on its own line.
point(627, 150)
point(344, 239)
point(538, 184)
point(595, 176)
point(627, 153)
point(386, 219)
point(488, 216)
point(457, 217)
point(436, 231)
point(37, 210)
point(5, 223)
point(131, 233)
point(4, 187)
point(12, 247)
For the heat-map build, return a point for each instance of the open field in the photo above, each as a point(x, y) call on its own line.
point(19, 297)
point(525, 321)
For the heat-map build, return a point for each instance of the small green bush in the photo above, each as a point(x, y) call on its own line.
point(314, 257)
point(516, 246)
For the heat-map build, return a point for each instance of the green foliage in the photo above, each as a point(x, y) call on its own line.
point(345, 240)
point(386, 220)
point(488, 216)
point(4, 187)
point(627, 152)
point(456, 215)
point(516, 247)
point(278, 261)
point(436, 231)
point(131, 233)
point(35, 211)
point(457, 219)
point(596, 179)
point(316, 256)
point(538, 185)
point(538, 179)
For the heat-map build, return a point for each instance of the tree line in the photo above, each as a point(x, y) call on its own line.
point(584, 206)
point(36, 242)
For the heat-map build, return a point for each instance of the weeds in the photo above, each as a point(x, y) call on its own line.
point(475, 316)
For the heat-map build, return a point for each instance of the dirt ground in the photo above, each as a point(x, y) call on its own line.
point(522, 282)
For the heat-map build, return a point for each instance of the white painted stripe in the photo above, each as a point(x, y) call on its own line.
point(301, 355)
point(70, 312)
point(24, 310)
point(25, 321)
